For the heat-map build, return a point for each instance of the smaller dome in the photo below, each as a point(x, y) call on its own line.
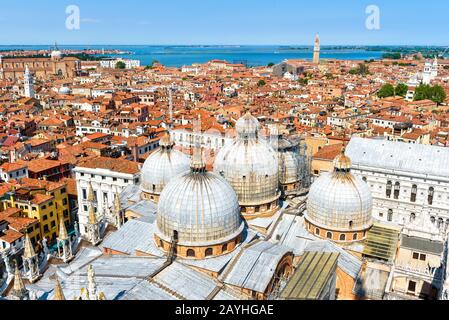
point(162, 166)
point(247, 126)
point(340, 201)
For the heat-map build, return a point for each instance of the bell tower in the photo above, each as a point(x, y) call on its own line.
point(316, 50)
point(28, 83)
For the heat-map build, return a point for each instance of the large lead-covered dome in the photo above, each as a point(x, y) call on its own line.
point(161, 167)
point(199, 208)
point(250, 165)
point(340, 202)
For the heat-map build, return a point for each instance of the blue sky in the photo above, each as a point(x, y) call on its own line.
point(284, 22)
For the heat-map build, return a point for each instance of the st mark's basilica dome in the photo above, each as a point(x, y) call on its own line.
point(250, 165)
point(161, 167)
point(339, 206)
point(199, 211)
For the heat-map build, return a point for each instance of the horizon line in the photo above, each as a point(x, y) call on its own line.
point(230, 45)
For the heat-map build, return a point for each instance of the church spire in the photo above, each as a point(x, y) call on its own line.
point(90, 194)
point(28, 252)
point(59, 294)
point(62, 230)
point(18, 282)
point(64, 243)
point(93, 228)
point(92, 216)
point(30, 260)
point(19, 291)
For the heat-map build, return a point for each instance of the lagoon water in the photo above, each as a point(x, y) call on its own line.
point(250, 55)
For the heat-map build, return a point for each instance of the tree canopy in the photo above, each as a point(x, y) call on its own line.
point(388, 90)
point(393, 55)
point(427, 92)
point(362, 70)
point(120, 65)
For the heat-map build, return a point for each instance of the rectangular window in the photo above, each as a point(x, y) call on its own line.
point(422, 257)
point(415, 255)
point(84, 191)
point(45, 218)
point(412, 286)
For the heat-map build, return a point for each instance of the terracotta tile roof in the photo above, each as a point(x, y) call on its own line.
point(11, 235)
point(329, 152)
point(48, 185)
point(41, 198)
point(9, 167)
point(40, 165)
point(117, 165)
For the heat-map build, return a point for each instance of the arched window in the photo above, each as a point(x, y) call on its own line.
point(432, 219)
point(317, 231)
point(412, 217)
point(390, 215)
point(364, 179)
point(224, 248)
point(342, 237)
point(414, 193)
point(389, 188)
point(209, 252)
point(191, 253)
point(355, 236)
point(440, 223)
point(397, 190)
point(329, 235)
point(431, 194)
point(351, 224)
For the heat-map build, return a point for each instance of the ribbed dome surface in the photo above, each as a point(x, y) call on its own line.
point(202, 207)
point(340, 201)
point(290, 165)
point(247, 126)
point(250, 165)
point(161, 167)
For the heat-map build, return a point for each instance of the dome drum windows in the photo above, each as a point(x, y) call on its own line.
point(199, 252)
